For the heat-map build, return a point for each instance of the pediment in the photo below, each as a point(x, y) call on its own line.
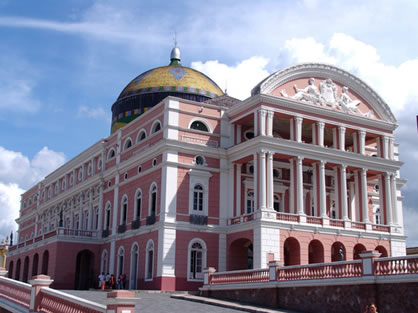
point(329, 87)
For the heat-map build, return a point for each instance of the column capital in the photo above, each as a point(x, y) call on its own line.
point(270, 113)
point(341, 128)
point(343, 166)
point(262, 112)
point(362, 133)
point(270, 154)
point(262, 153)
point(320, 124)
point(298, 119)
point(322, 163)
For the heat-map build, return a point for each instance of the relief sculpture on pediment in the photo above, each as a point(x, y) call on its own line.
point(327, 96)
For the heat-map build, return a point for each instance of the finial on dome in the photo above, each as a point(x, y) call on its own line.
point(175, 53)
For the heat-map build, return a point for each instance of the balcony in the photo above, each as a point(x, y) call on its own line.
point(121, 228)
point(136, 224)
point(151, 219)
point(105, 233)
point(198, 219)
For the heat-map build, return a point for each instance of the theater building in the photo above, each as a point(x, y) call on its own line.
point(305, 170)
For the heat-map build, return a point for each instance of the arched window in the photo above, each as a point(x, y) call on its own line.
point(156, 127)
point(111, 154)
point(250, 201)
point(199, 125)
point(107, 216)
point(35, 264)
point(10, 270)
point(45, 262)
point(378, 216)
point(198, 198)
point(103, 263)
point(138, 205)
point(153, 200)
point(133, 279)
point(197, 259)
point(141, 135)
point(17, 273)
point(121, 260)
point(149, 263)
point(128, 144)
point(124, 210)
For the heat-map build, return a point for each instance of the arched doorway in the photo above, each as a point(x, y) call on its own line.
point(358, 248)
point(10, 269)
point(240, 255)
point(35, 265)
point(25, 270)
point(17, 273)
point(133, 279)
point(316, 252)
point(84, 270)
point(291, 252)
point(383, 251)
point(338, 252)
point(45, 262)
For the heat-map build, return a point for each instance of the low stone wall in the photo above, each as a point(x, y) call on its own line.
point(347, 298)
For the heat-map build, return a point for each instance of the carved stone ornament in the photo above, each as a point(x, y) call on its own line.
point(327, 96)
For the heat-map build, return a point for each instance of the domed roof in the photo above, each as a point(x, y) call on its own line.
point(152, 86)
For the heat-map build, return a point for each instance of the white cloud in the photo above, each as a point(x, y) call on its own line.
point(18, 173)
point(238, 79)
point(396, 84)
point(9, 203)
point(84, 111)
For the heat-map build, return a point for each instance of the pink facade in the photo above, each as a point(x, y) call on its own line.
point(292, 174)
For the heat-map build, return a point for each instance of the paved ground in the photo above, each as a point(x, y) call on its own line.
point(156, 302)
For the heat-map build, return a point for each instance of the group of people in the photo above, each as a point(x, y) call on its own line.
point(109, 281)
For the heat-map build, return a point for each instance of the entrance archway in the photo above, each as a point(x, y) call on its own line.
point(25, 270)
point(291, 252)
point(17, 273)
point(358, 248)
point(10, 274)
point(45, 261)
point(84, 270)
point(240, 255)
point(338, 252)
point(316, 252)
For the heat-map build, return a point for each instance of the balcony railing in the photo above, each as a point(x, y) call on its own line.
point(136, 224)
point(198, 219)
point(105, 233)
point(151, 220)
point(121, 228)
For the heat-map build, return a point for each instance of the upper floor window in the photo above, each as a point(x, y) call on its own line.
point(199, 125)
point(153, 200)
point(199, 160)
point(111, 154)
point(90, 169)
point(141, 135)
point(250, 202)
point(277, 204)
point(107, 216)
point(80, 174)
point(124, 210)
point(198, 198)
point(138, 205)
point(56, 188)
point(249, 134)
point(128, 144)
point(71, 180)
point(156, 127)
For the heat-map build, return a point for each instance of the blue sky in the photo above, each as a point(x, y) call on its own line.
point(64, 63)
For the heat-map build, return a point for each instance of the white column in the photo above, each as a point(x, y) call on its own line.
point(362, 138)
point(299, 186)
point(379, 147)
point(115, 204)
point(343, 191)
point(292, 129)
point(388, 199)
point(341, 133)
point(72, 214)
point(262, 115)
point(292, 187)
point(321, 126)
point(314, 141)
point(352, 201)
point(238, 134)
point(80, 213)
point(357, 195)
point(364, 196)
point(394, 198)
point(355, 143)
point(322, 190)
point(334, 138)
point(90, 210)
point(238, 190)
point(255, 182)
point(262, 195)
point(99, 224)
point(298, 121)
point(315, 188)
point(385, 147)
point(270, 115)
point(255, 124)
point(391, 148)
point(270, 181)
